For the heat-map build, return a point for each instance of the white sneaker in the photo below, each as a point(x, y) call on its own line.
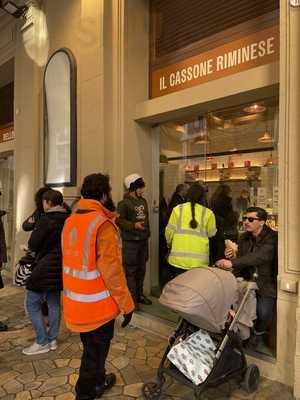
point(36, 348)
point(53, 345)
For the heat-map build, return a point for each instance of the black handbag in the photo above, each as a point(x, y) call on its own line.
point(1, 282)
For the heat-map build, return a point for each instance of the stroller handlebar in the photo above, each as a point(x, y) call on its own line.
point(253, 277)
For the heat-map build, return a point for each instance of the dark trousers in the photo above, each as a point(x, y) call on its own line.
point(92, 369)
point(135, 256)
point(264, 311)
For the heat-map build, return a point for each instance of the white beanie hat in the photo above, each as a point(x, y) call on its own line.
point(131, 179)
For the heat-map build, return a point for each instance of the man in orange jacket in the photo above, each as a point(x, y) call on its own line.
point(95, 289)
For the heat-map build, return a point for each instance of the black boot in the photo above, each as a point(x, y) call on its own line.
point(144, 300)
point(3, 327)
point(110, 381)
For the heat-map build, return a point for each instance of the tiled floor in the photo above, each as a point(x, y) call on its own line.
point(134, 357)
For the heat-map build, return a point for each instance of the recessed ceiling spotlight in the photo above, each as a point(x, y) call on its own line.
point(255, 108)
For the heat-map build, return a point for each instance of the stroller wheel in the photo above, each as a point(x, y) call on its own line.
point(251, 378)
point(152, 391)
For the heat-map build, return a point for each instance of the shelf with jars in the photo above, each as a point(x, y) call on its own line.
point(224, 174)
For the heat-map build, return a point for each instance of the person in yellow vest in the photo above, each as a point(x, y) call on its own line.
point(95, 289)
point(188, 231)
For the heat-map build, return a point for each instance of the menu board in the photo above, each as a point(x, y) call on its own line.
point(262, 197)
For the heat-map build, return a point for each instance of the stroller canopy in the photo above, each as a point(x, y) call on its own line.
point(203, 296)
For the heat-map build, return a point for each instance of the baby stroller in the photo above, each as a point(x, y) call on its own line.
point(203, 297)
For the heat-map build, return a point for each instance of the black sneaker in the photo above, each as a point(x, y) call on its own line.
point(110, 381)
point(144, 300)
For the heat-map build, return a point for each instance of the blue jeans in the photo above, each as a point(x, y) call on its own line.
point(34, 302)
point(264, 311)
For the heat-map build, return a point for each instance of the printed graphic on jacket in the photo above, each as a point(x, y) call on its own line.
point(140, 212)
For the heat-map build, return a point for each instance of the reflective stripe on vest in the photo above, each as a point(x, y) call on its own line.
point(188, 255)
point(87, 298)
point(86, 249)
point(212, 232)
point(195, 232)
point(171, 227)
point(84, 275)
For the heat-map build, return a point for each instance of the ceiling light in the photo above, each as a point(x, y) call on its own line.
point(201, 131)
point(266, 138)
point(11, 8)
point(202, 138)
point(246, 119)
point(255, 108)
point(180, 128)
point(228, 124)
point(269, 161)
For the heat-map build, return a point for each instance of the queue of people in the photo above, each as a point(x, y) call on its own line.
point(96, 256)
point(197, 236)
point(81, 256)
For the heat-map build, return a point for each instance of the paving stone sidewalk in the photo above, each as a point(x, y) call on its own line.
point(134, 357)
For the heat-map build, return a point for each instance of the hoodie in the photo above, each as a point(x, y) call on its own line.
point(131, 210)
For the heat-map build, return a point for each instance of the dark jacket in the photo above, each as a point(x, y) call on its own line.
point(217, 242)
point(3, 251)
point(29, 226)
point(45, 241)
point(132, 210)
point(176, 199)
point(228, 219)
point(259, 253)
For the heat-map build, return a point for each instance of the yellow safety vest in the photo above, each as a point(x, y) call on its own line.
point(190, 247)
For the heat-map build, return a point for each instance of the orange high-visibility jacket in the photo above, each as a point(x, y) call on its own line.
point(86, 298)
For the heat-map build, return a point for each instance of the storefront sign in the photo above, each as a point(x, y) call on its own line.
point(251, 51)
point(7, 134)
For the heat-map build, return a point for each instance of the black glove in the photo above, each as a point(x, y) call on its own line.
point(126, 319)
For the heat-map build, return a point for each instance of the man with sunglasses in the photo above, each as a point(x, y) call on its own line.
point(257, 251)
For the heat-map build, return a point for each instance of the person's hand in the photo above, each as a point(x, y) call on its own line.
point(224, 264)
point(126, 319)
point(139, 226)
point(31, 220)
point(229, 253)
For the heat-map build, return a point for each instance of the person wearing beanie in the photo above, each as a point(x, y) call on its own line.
point(133, 222)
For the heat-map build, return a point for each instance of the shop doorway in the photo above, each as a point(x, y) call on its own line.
point(232, 149)
point(7, 201)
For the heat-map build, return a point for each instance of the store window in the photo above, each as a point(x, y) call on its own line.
point(6, 201)
point(232, 151)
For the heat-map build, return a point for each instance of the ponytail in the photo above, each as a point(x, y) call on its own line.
point(195, 195)
point(193, 222)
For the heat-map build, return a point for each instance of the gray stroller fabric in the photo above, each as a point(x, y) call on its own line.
point(203, 296)
point(248, 314)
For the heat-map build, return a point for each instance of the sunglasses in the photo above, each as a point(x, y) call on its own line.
point(251, 219)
